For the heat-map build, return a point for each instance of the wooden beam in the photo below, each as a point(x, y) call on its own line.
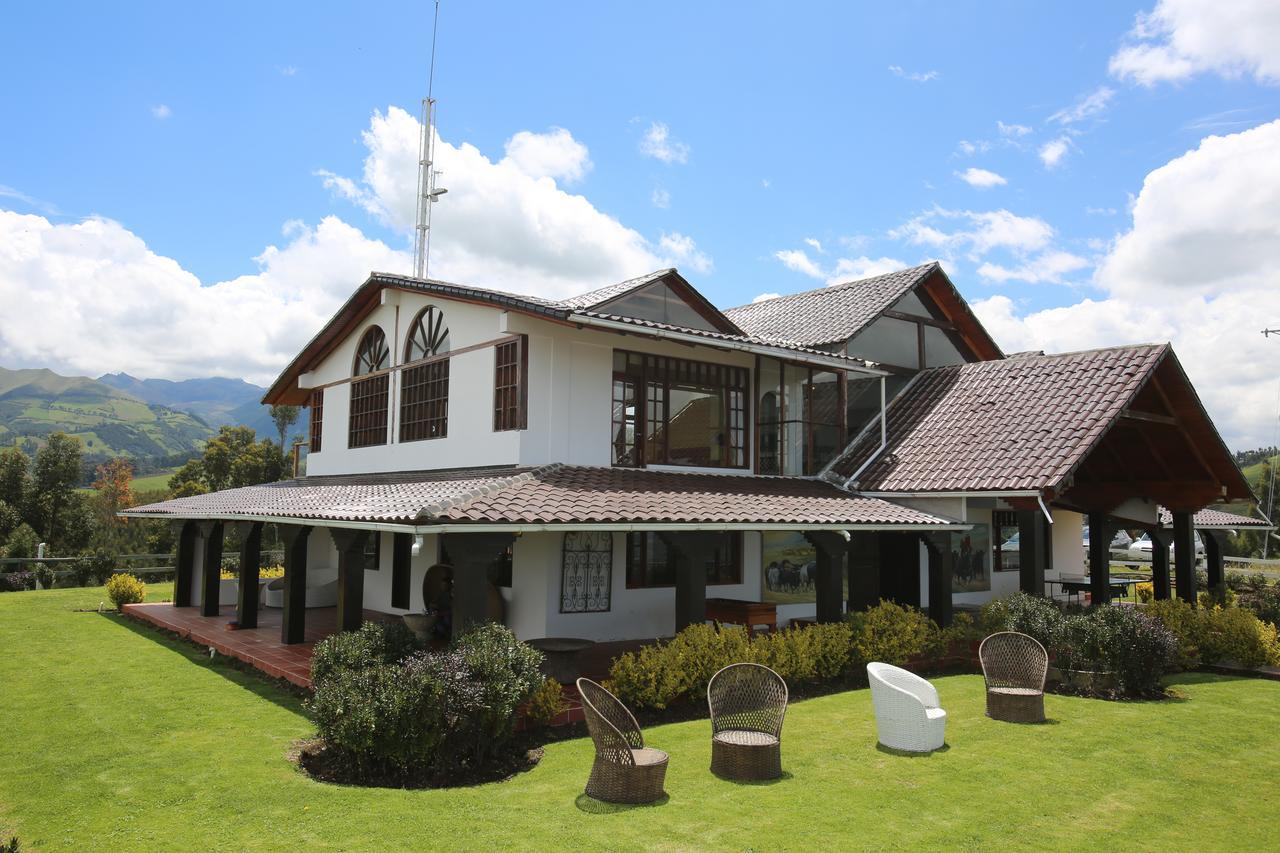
point(864, 570)
point(1213, 559)
point(211, 567)
point(913, 318)
point(1170, 493)
point(1184, 556)
point(1160, 564)
point(184, 564)
point(294, 616)
point(350, 544)
point(696, 550)
point(938, 547)
point(1101, 528)
point(401, 570)
point(250, 560)
point(1149, 417)
point(1032, 551)
point(829, 584)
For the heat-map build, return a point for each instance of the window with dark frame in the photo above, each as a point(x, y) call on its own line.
point(317, 420)
point(674, 411)
point(586, 577)
point(510, 385)
point(801, 417)
point(373, 552)
point(367, 421)
point(650, 563)
point(424, 387)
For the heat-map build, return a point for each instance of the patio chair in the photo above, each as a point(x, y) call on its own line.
point(748, 702)
point(1014, 667)
point(625, 770)
point(906, 706)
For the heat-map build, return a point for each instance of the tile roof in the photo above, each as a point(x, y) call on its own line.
point(828, 315)
point(553, 494)
point(1013, 424)
point(1209, 519)
point(600, 295)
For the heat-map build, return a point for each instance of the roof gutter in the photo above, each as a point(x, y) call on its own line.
point(720, 343)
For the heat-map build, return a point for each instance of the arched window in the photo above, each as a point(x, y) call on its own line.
point(424, 388)
point(372, 355)
point(367, 424)
point(428, 335)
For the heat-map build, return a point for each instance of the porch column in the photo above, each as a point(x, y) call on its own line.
point(293, 618)
point(829, 584)
point(185, 564)
point(900, 568)
point(1160, 564)
point(472, 554)
point(401, 566)
point(696, 550)
point(211, 570)
point(250, 558)
point(1032, 551)
point(864, 570)
point(941, 607)
point(350, 544)
point(1100, 532)
point(1184, 556)
point(1213, 558)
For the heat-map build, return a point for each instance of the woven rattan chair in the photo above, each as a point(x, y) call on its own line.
point(1014, 666)
point(907, 713)
point(625, 771)
point(748, 702)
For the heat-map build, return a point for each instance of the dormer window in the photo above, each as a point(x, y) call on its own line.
point(424, 384)
point(367, 425)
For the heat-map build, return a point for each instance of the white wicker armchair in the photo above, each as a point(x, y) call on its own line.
point(907, 712)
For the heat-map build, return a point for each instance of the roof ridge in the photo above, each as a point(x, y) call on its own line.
point(439, 508)
point(834, 287)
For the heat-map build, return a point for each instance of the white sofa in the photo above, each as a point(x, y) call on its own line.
point(906, 706)
point(322, 591)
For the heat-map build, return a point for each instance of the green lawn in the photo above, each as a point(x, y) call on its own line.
point(117, 739)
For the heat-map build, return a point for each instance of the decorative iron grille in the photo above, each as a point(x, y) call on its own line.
point(587, 572)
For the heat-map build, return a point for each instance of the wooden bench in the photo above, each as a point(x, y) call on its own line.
point(746, 613)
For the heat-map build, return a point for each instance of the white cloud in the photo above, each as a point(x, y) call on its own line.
point(981, 178)
point(91, 297)
point(765, 297)
point(289, 70)
point(1196, 268)
point(1087, 106)
point(799, 261)
point(812, 242)
point(1053, 152)
point(987, 230)
point(660, 198)
point(914, 76)
point(501, 226)
point(845, 269)
point(554, 154)
point(969, 147)
point(660, 145)
point(1012, 130)
point(161, 111)
point(680, 250)
point(1048, 267)
point(1100, 211)
point(1180, 38)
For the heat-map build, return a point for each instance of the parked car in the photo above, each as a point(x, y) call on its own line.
point(1141, 548)
point(1119, 543)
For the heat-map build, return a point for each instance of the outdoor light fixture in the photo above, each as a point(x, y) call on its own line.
point(417, 546)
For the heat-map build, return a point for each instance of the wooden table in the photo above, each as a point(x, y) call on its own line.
point(746, 613)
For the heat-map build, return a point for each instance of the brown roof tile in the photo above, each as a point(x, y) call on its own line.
point(1209, 519)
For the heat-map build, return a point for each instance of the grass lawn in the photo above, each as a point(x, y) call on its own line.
point(117, 739)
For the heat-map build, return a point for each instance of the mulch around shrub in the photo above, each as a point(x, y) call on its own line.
point(318, 761)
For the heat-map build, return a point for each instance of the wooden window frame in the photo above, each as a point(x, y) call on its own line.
point(369, 409)
point(735, 559)
point(511, 384)
point(316, 426)
point(424, 400)
point(806, 422)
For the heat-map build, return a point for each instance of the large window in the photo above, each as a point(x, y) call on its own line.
point(367, 424)
point(801, 417)
point(672, 411)
point(424, 386)
point(650, 563)
point(510, 385)
point(317, 420)
point(586, 572)
point(659, 303)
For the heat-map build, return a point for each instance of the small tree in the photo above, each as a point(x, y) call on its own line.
point(15, 477)
point(57, 472)
point(284, 417)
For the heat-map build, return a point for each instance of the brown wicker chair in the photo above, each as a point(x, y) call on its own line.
point(748, 702)
point(625, 771)
point(1014, 666)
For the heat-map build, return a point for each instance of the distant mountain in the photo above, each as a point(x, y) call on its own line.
point(110, 422)
point(217, 401)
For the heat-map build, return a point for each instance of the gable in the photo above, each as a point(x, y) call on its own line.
point(662, 297)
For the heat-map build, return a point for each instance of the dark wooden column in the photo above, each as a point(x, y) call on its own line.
point(1160, 564)
point(211, 569)
point(472, 554)
point(1213, 558)
point(350, 544)
point(900, 568)
point(185, 564)
point(864, 570)
point(938, 546)
point(695, 550)
point(293, 620)
point(401, 569)
point(1033, 551)
point(250, 561)
point(1100, 533)
point(829, 584)
point(1184, 557)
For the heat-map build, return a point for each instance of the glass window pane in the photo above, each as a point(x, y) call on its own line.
point(889, 341)
point(911, 304)
point(939, 349)
point(696, 431)
point(658, 303)
point(862, 403)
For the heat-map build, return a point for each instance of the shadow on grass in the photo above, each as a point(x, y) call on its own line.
point(756, 783)
point(239, 673)
point(591, 805)
point(906, 753)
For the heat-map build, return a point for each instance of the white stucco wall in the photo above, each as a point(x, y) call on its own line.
point(1067, 542)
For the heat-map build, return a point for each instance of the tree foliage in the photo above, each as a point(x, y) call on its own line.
point(284, 417)
point(230, 460)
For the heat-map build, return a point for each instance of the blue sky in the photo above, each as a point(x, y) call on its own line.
point(192, 139)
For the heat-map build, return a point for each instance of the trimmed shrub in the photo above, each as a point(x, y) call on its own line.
point(891, 633)
point(546, 703)
point(1136, 647)
point(125, 589)
point(1146, 592)
point(660, 674)
point(17, 581)
point(1185, 623)
point(1027, 614)
point(1262, 598)
point(93, 569)
point(1232, 634)
point(373, 644)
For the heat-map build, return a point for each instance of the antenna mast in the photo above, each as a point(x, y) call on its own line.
point(427, 192)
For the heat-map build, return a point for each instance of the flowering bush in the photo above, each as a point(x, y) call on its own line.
point(125, 589)
point(546, 703)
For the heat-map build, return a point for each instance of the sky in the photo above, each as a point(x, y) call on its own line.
point(191, 191)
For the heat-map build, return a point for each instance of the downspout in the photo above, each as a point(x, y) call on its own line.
point(1043, 508)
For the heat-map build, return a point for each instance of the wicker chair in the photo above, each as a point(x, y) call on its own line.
point(625, 771)
point(1014, 666)
point(907, 713)
point(748, 702)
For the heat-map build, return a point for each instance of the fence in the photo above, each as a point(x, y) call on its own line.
point(152, 564)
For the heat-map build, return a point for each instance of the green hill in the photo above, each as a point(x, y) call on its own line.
point(110, 422)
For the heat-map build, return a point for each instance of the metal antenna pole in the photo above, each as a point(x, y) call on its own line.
point(427, 192)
